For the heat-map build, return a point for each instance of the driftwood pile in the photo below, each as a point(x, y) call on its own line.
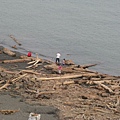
point(88, 91)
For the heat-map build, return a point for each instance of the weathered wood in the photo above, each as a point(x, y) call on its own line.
point(31, 62)
point(5, 85)
point(6, 112)
point(34, 65)
point(12, 81)
point(15, 47)
point(113, 109)
point(107, 88)
point(10, 72)
point(46, 92)
point(102, 85)
point(66, 83)
point(31, 72)
point(60, 77)
point(118, 102)
point(11, 36)
point(88, 65)
point(16, 60)
point(33, 59)
point(9, 52)
point(100, 110)
point(90, 74)
point(113, 87)
point(35, 62)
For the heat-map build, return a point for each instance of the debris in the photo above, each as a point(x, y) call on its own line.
point(9, 52)
point(33, 116)
point(7, 112)
point(11, 36)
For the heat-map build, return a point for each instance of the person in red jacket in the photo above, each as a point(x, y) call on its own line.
point(29, 54)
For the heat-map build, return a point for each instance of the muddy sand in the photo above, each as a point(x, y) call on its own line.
point(76, 94)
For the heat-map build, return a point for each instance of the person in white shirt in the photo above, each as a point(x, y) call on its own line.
point(58, 58)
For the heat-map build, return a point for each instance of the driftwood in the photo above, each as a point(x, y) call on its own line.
point(9, 52)
point(104, 86)
point(118, 102)
point(113, 109)
point(45, 92)
point(40, 93)
point(6, 112)
point(15, 47)
point(60, 77)
point(16, 60)
point(86, 66)
point(31, 72)
point(66, 83)
point(31, 91)
point(11, 81)
point(10, 72)
point(107, 88)
point(100, 110)
point(90, 75)
point(5, 85)
point(34, 62)
point(11, 36)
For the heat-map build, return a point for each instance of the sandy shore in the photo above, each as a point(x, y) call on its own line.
point(89, 96)
point(14, 101)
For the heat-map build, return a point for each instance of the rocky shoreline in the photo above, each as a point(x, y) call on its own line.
point(76, 94)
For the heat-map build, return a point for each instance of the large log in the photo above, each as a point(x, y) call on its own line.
point(60, 77)
point(9, 52)
point(16, 60)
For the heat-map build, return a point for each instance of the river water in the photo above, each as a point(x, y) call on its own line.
point(86, 31)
